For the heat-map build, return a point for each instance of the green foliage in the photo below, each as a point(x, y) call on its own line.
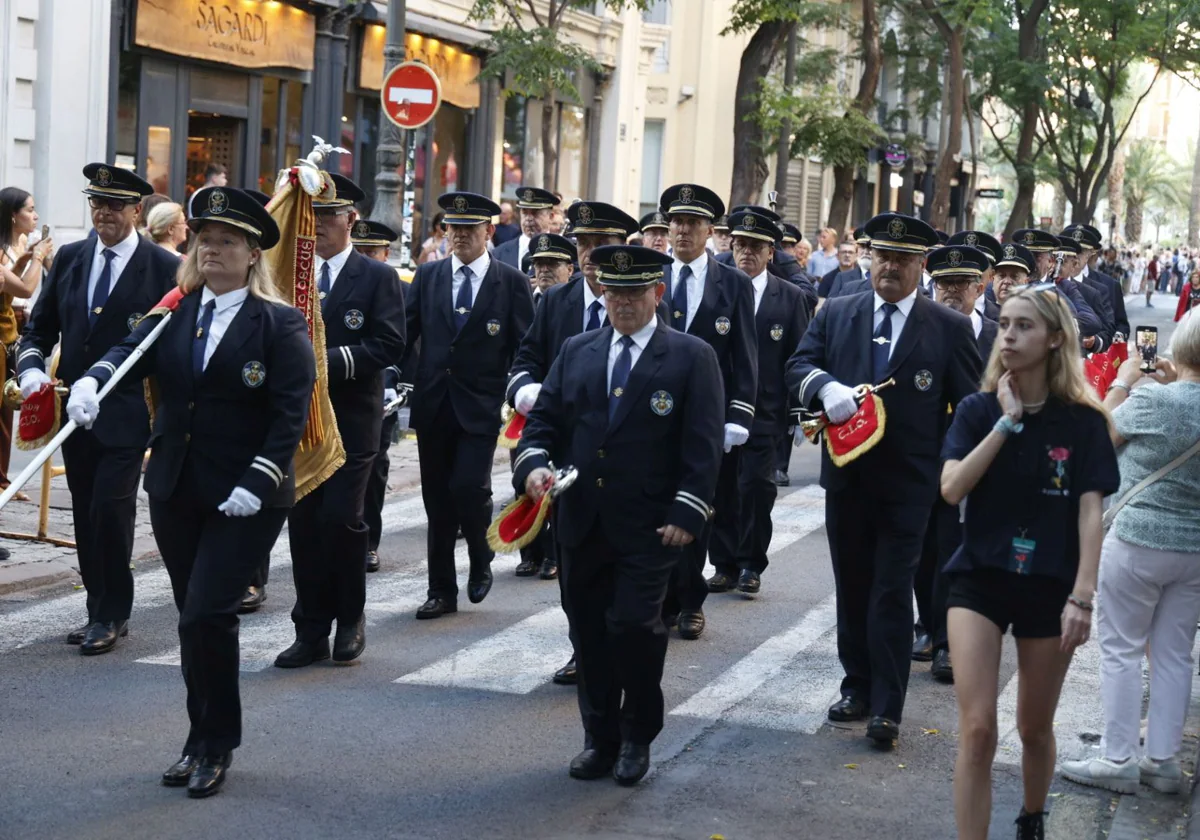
point(821, 121)
point(748, 15)
point(1153, 179)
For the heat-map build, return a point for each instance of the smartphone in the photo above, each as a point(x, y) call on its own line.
point(45, 231)
point(1147, 346)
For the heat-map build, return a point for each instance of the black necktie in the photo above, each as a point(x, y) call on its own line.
point(200, 341)
point(100, 293)
point(679, 300)
point(593, 322)
point(325, 285)
point(620, 374)
point(462, 305)
point(882, 343)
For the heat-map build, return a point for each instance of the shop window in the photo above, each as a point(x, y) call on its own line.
point(534, 159)
point(345, 163)
point(513, 159)
point(449, 143)
point(652, 151)
point(572, 153)
point(269, 142)
point(658, 11)
point(368, 140)
point(128, 81)
point(158, 158)
point(295, 137)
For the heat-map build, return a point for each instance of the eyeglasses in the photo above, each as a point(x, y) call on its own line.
point(954, 282)
point(625, 293)
point(114, 204)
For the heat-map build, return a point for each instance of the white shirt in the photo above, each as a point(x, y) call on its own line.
point(980, 303)
point(695, 286)
point(977, 321)
point(478, 268)
point(899, 317)
point(123, 251)
point(336, 263)
point(640, 339)
point(588, 298)
point(522, 249)
point(227, 306)
point(760, 285)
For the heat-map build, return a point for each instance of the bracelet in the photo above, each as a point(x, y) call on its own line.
point(1007, 426)
point(1121, 385)
point(1079, 602)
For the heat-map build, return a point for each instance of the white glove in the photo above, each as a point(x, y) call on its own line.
point(84, 406)
point(390, 395)
point(526, 398)
point(838, 400)
point(241, 502)
point(31, 380)
point(735, 435)
point(798, 438)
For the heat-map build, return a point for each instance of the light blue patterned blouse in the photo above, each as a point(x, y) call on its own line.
point(1160, 422)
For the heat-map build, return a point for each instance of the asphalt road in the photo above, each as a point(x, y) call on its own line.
point(452, 729)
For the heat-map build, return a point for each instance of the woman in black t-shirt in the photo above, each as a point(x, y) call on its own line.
point(1033, 452)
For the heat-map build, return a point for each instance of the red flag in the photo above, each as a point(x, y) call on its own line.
point(1094, 373)
point(40, 418)
point(846, 441)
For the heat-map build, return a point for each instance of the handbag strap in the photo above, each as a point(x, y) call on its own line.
point(1111, 513)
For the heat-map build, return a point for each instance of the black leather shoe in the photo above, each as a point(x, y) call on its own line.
point(303, 653)
point(848, 709)
point(102, 637)
point(592, 764)
point(749, 582)
point(76, 636)
point(254, 598)
point(721, 582)
point(941, 669)
point(883, 731)
point(526, 568)
point(477, 590)
point(209, 775)
point(436, 608)
point(372, 561)
point(177, 774)
point(549, 570)
point(781, 479)
point(349, 641)
point(567, 674)
point(632, 763)
point(691, 624)
point(922, 648)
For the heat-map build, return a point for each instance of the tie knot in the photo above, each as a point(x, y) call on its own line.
point(466, 272)
point(685, 272)
point(108, 254)
point(626, 341)
point(595, 307)
point(889, 308)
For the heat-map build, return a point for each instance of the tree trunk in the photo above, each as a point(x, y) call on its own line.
point(549, 152)
point(948, 163)
point(843, 176)
point(1058, 211)
point(1133, 222)
point(1028, 45)
point(1116, 192)
point(750, 168)
point(1193, 233)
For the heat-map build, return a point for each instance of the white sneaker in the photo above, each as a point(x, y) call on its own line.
point(1104, 774)
point(1163, 776)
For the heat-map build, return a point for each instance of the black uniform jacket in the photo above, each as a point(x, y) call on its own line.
point(657, 462)
point(786, 266)
point(509, 252)
point(725, 319)
point(1109, 285)
point(239, 423)
point(935, 363)
point(61, 313)
point(987, 339)
point(364, 333)
point(780, 322)
point(559, 316)
point(470, 366)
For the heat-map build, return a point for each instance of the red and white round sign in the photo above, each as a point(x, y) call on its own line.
point(411, 94)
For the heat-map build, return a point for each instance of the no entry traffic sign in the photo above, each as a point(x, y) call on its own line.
point(411, 94)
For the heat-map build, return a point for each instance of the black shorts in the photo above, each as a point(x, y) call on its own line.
point(1031, 604)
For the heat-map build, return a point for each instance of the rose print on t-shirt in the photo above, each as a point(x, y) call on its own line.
point(1059, 478)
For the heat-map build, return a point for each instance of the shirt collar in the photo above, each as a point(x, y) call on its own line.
point(699, 265)
point(1086, 271)
point(230, 299)
point(980, 302)
point(976, 322)
point(479, 266)
point(338, 261)
point(589, 298)
point(642, 337)
point(905, 306)
point(123, 249)
point(760, 282)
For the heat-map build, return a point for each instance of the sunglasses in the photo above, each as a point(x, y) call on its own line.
point(114, 204)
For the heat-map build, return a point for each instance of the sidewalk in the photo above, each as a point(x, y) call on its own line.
point(34, 564)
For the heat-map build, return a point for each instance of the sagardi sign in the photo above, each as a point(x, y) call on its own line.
point(248, 33)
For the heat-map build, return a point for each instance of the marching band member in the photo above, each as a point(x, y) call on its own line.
point(235, 372)
point(362, 307)
point(985, 304)
point(97, 290)
point(877, 506)
point(656, 231)
point(637, 408)
point(536, 208)
point(1012, 271)
point(716, 303)
point(739, 545)
point(1045, 247)
point(470, 312)
point(1089, 240)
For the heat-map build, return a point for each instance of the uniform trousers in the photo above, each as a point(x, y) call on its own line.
point(688, 586)
point(614, 603)
point(103, 483)
point(875, 544)
point(745, 544)
point(943, 536)
point(456, 486)
point(329, 543)
point(210, 558)
point(377, 483)
point(783, 453)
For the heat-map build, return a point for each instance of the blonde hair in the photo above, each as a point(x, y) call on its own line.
point(259, 282)
point(160, 219)
point(1185, 341)
point(1064, 364)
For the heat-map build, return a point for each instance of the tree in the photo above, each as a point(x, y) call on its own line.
point(528, 51)
point(1149, 181)
point(1193, 230)
point(870, 54)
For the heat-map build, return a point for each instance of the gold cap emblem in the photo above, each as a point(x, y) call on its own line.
point(972, 239)
point(218, 202)
point(897, 229)
point(954, 258)
point(621, 261)
point(543, 242)
point(1010, 251)
point(460, 204)
point(686, 195)
point(748, 223)
point(361, 230)
point(528, 195)
point(585, 215)
point(103, 176)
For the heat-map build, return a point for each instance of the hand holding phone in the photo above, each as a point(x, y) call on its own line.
point(1147, 347)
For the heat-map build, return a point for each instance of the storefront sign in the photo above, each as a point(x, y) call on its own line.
point(246, 33)
point(895, 155)
point(989, 193)
point(458, 70)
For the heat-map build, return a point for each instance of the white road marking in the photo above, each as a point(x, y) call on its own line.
point(797, 698)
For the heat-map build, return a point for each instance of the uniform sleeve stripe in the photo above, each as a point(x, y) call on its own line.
point(699, 509)
point(804, 385)
point(685, 496)
point(263, 463)
point(269, 473)
point(526, 454)
point(517, 376)
point(742, 406)
point(348, 358)
point(109, 366)
point(32, 351)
